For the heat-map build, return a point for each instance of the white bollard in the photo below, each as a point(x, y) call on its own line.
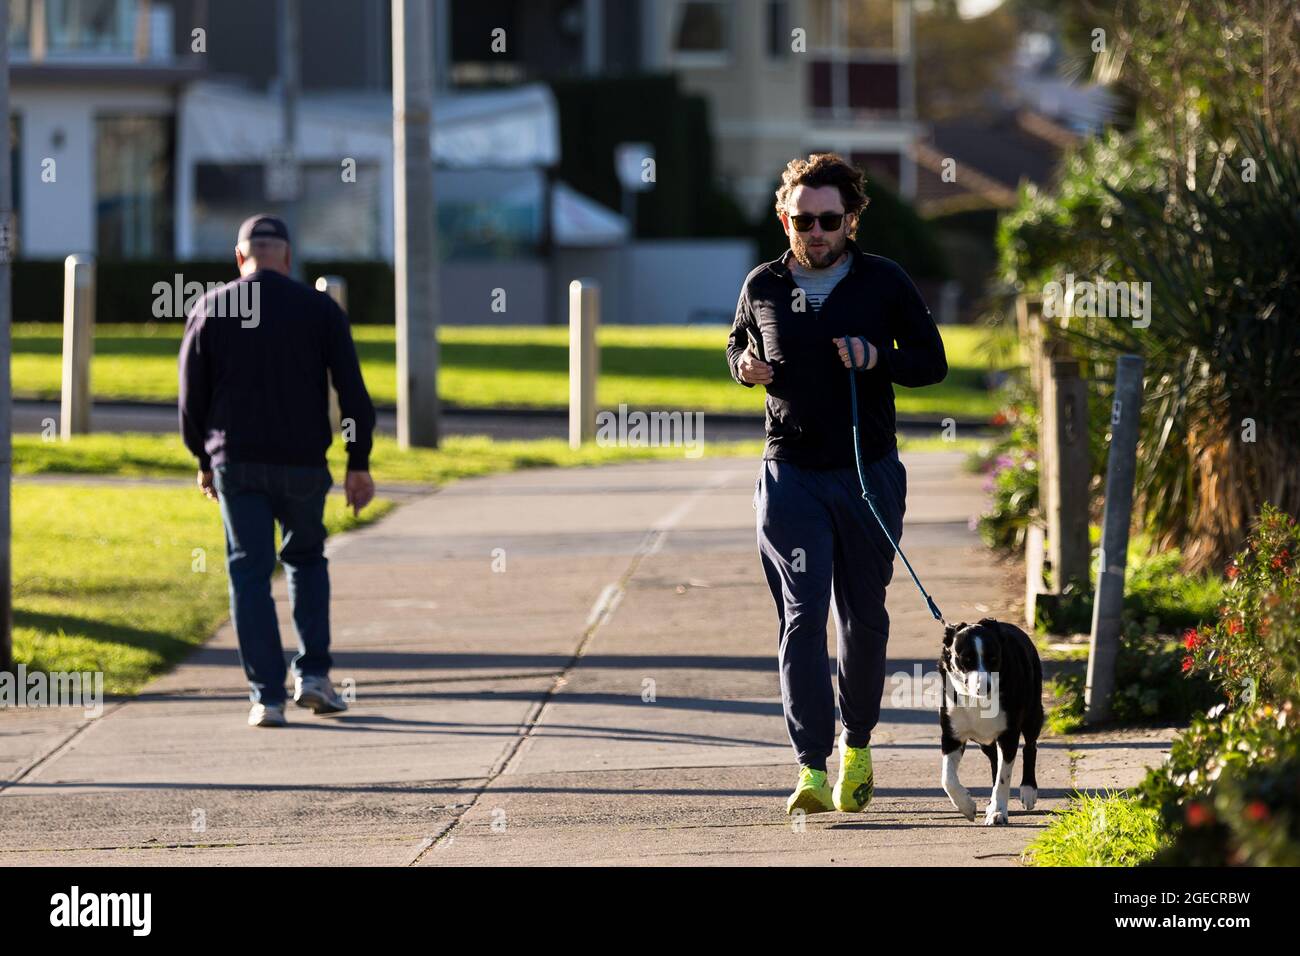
point(584, 360)
point(78, 344)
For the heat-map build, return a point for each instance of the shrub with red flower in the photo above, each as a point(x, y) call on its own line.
point(1228, 794)
point(1253, 649)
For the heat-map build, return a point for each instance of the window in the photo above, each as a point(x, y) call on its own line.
point(857, 63)
point(91, 26)
point(852, 25)
point(133, 186)
point(93, 30)
point(778, 29)
point(702, 31)
point(869, 25)
point(848, 87)
point(20, 25)
point(489, 213)
point(336, 220)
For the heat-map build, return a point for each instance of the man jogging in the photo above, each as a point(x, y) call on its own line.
point(802, 322)
point(254, 410)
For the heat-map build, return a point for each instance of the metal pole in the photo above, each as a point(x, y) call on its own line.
point(287, 36)
point(6, 396)
point(78, 344)
point(1121, 468)
point(336, 287)
point(414, 259)
point(584, 360)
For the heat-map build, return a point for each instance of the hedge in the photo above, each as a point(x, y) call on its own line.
point(124, 291)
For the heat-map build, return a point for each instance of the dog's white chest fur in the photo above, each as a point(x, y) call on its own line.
point(976, 721)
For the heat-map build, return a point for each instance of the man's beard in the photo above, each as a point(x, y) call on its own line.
point(816, 258)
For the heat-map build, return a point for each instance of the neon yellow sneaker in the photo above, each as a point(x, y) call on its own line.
point(811, 794)
point(856, 784)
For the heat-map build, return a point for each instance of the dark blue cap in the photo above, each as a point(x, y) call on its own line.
point(263, 226)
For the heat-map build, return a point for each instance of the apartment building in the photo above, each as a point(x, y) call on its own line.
point(95, 87)
point(147, 129)
point(788, 77)
point(782, 77)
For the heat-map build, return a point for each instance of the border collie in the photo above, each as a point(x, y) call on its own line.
point(992, 693)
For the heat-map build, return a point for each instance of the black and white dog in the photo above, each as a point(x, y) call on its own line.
point(992, 693)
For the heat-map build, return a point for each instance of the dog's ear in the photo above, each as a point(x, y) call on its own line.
point(1006, 632)
point(950, 632)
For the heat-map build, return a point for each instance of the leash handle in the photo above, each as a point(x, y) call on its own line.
point(867, 496)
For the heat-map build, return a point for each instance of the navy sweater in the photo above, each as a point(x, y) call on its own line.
point(253, 388)
point(808, 417)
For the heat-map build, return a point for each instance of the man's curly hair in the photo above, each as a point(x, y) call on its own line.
point(825, 169)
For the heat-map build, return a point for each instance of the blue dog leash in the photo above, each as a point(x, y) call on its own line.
point(867, 496)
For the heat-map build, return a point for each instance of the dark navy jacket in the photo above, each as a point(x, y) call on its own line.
point(255, 389)
point(808, 416)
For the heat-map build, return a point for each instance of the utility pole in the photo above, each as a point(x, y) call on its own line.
point(415, 254)
point(284, 177)
point(6, 396)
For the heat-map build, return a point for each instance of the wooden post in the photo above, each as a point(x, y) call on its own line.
point(1048, 485)
point(1029, 322)
point(1022, 331)
point(584, 360)
point(1066, 407)
point(78, 344)
point(1121, 468)
point(1033, 573)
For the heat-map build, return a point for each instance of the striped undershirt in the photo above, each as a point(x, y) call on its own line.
point(817, 283)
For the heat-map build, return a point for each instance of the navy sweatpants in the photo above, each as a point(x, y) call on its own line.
point(822, 549)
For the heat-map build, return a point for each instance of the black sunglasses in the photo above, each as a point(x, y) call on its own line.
point(830, 221)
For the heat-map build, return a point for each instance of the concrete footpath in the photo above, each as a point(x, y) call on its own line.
point(550, 667)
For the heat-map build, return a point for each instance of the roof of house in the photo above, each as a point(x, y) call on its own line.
point(990, 157)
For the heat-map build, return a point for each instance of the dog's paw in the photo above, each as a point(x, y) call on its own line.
point(962, 800)
point(993, 817)
point(1029, 796)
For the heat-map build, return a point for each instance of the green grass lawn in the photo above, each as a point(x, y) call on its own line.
point(129, 454)
point(648, 367)
point(105, 578)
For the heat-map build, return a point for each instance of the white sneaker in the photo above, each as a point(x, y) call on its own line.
point(267, 715)
point(317, 693)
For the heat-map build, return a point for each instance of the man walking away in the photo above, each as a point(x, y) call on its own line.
point(254, 409)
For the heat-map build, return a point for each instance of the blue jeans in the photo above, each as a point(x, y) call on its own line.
point(822, 550)
point(253, 498)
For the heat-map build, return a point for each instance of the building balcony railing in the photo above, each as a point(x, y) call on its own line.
point(92, 33)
